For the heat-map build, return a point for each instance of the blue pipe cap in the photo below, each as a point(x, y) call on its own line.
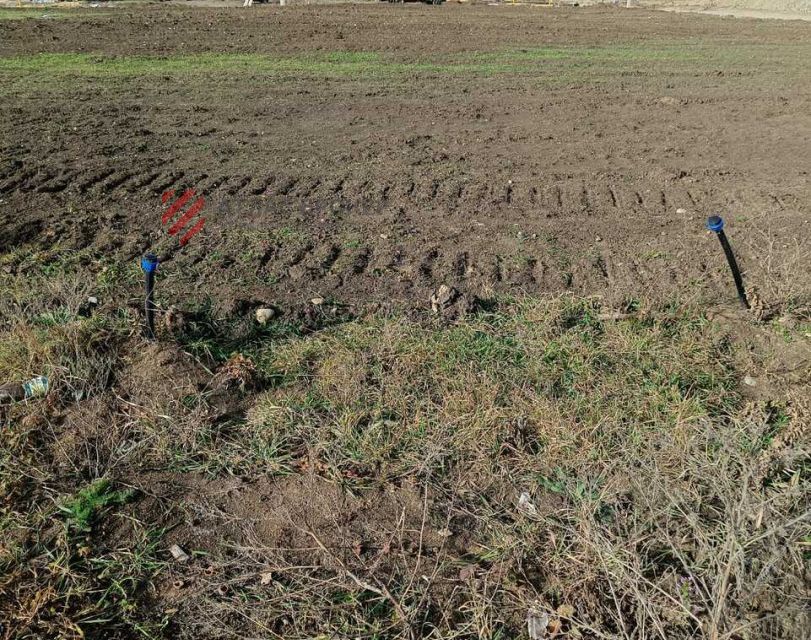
point(149, 263)
point(715, 223)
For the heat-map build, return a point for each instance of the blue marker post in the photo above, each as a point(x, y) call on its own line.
point(716, 224)
point(149, 264)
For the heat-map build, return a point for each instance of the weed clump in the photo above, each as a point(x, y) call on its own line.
point(81, 509)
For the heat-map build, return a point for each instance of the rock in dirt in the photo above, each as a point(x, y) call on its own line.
point(443, 297)
point(317, 301)
point(749, 381)
point(264, 315)
point(178, 553)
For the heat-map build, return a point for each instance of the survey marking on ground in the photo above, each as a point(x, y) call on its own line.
point(176, 207)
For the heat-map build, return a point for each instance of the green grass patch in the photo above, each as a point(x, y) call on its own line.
point(46, 330)
point(38, 13)
point(585, 61)
point(391, 395)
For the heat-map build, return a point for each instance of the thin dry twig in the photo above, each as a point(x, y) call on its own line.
point(380, 589)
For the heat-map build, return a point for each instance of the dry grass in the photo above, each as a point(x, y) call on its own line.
point(658, 502)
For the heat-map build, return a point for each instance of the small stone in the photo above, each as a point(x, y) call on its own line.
point(750, 381)
point(93, 300)
point(179, 554)
point(266, 577)
point(264, 315)
point(317, 301)
point(681, 211)
point(598, 239)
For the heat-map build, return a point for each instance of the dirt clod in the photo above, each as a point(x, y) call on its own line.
point(442, 298)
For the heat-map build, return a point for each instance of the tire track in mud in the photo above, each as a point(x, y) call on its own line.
point(552, 197)
point(539, 202)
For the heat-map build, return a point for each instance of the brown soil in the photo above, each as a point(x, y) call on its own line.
point(490, 184)
point(376, 191)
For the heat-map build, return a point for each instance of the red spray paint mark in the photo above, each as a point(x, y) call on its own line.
point(177, 205)
point(187, 217)
point(188, 235)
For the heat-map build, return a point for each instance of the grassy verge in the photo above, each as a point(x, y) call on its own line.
point(37, 13)
point(605, 478)
point(589, 62)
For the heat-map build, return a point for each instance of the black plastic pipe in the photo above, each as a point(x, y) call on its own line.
point(716, 224)
point(149, 264)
